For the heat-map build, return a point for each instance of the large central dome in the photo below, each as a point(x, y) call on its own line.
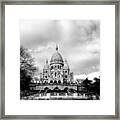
point(56, 57)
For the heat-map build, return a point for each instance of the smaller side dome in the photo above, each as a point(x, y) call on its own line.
point(66, 66)
point(46, 66)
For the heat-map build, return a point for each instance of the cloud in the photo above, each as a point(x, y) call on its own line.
point(35, 32)
point(78, 40)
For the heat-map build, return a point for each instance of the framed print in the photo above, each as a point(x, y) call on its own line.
point(59, 60)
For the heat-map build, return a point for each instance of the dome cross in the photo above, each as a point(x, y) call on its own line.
point(56, 47)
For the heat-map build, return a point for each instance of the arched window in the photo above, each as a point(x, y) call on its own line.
point(59, 82)
point(55, 82)
point(55, 74)
point(45, 81)
point(51, 67)
point(51, 81)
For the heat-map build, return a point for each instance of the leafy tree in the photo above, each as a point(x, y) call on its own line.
point(27, 69)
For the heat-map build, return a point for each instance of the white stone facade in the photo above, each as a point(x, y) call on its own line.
point(56, 71)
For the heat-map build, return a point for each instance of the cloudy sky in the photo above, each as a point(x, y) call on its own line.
point(78, 41)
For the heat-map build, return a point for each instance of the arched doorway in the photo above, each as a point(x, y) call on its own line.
point(55, 82)
point(51, 81)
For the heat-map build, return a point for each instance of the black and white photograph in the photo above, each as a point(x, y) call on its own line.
point(59, 59)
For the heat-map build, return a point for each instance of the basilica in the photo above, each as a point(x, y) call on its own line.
point(56, 71)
